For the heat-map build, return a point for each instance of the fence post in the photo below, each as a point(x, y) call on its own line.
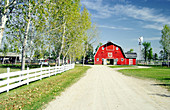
point(49, 71)
point(55, 69)
point(41, 73)
point(8, 71)
point(27, 76)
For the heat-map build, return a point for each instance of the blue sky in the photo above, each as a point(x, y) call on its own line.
point(124, 21)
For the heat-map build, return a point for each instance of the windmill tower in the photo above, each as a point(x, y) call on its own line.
point(140, 48)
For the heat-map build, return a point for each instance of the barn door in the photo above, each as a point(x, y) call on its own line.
point(130, 61)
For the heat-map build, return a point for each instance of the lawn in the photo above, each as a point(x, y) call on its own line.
point(4, 69)
point(123, 66)
point(155, 73)
point(39, 93)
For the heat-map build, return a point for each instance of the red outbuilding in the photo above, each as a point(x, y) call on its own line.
point(113, 54)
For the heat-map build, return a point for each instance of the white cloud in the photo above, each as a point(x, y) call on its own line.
point(153, 26)
point(112, 27)
point(101, 11)
point(152, 38)
point(141, 13)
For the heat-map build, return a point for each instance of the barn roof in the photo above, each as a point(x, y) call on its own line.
point(126, 55)
point(130, 55)
point(111, 43)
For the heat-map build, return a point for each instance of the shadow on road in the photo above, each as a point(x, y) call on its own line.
point(160, 84)
point(162, 95)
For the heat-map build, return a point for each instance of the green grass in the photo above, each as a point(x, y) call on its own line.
point(123, 66)
point(4, 69)
point(39, 93)
point(156, 73)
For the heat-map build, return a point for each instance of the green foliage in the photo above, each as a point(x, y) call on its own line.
point(155, 57)
point(100, 44)
point(5, 49)
point(56, 26)
point(150, 54)
point(146, 46)
point(165, 39)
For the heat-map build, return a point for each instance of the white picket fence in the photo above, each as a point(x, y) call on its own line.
point(12, 80)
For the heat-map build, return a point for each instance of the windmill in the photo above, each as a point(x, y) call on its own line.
point(140, 48)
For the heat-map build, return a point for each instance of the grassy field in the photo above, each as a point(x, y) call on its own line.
point(157, 73)
point(39, 93)
point(4, 69)
point(123, 66)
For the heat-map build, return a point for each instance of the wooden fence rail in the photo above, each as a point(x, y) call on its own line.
point(12, 80)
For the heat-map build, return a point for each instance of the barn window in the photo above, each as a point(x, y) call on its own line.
point(117, 48)
point(109, 54)
point(122, 59)
point(97, 59)
point(102, 48)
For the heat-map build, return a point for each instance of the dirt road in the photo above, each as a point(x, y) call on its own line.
point(103, 88)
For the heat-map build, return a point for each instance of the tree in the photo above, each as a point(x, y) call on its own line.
point(100, 44)
point(130, 51)
point(150, 55)
point(155, 56)
point(146, 46)
point(6, 8)
point(25, 15)
point(165, 40)
point(5, 51)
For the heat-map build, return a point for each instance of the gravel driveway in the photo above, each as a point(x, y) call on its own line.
point(103, 88)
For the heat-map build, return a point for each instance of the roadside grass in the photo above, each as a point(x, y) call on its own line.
point(16, 67)
point(39, 93)
point(123, 66)
point(4, 70)
point(156, 73)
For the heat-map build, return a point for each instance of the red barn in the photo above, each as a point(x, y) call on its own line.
point(113, 54)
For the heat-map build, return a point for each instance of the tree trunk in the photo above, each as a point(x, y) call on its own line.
point(70, 59)
point(168, 60)
point(62, 45)
point(63, 60)
point(83, 59)
point(1, 35)
point(15, 59)
point(3, 20)
point(3, 60)
point(25, 41)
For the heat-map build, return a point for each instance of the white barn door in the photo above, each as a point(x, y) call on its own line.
point(130, 61)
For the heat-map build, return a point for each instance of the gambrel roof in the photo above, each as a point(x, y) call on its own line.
point(126, 55)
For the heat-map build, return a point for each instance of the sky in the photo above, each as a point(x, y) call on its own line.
point(124, 21)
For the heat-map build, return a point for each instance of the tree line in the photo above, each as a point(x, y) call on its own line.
point(165, 45)
point(40, 28)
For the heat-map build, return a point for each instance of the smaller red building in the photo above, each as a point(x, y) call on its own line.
point(113, 54)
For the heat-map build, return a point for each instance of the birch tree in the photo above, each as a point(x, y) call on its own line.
point(165, 40)
point(6, 9)
point(20, 22)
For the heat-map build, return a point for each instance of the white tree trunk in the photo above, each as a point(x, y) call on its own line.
point(3, 60)
point(25, 40)
point(168, 60)
point(70, 59)
point(62, 45)
point(63, 60)
point(3, 20)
